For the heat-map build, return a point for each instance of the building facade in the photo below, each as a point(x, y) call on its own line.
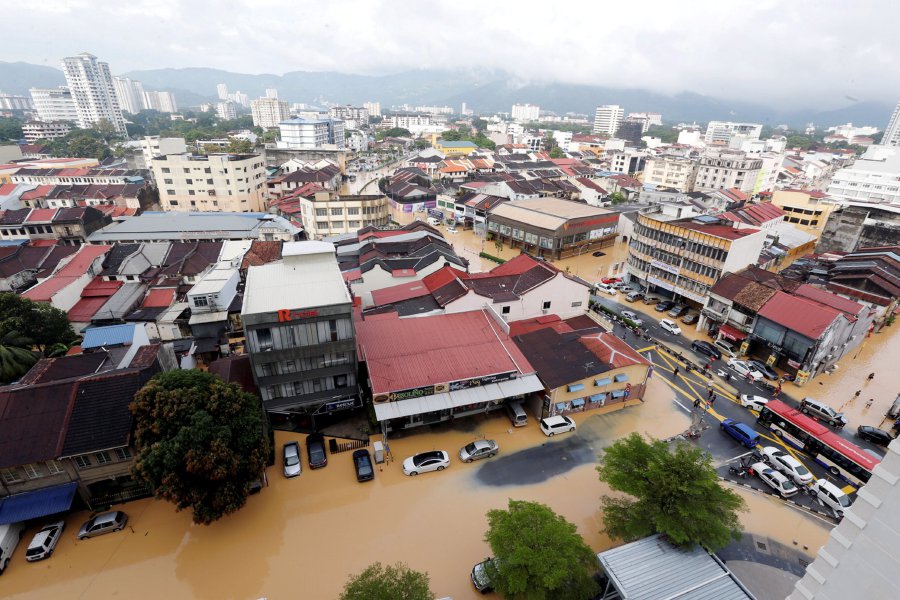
point(673, 172)
point(130, 94)
point(891, 135)
point(722, 132)
point(161, 101)
point(269, 112)
point(297, 315)
point(210, 182)
point(54, 104)
point(308, 134)
point(874, 177)
point(685, 257)
point(154, 145)
point(373, 108)
point(326, 214)
point(525, 113)
point(354, 117)
point(607, 119)
point(92, 87)
point(42, 130)
point(722, 170)
point(226, 110)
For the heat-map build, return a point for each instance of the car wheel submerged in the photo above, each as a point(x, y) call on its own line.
point(552, 433)
point(468, 460)
point(413, 473)
point(571, 430)
point(440, 468)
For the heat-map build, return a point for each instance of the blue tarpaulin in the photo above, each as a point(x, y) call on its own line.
point(37, 503)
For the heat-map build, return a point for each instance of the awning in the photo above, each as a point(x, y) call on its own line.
point(578, 402)
point(732, 333)
point(621, 377)
point(37, 503)
point(575, 387)
point(618, 393)
point(474, 395)
point(602, 382)
point(560, 406)
point(597, 398)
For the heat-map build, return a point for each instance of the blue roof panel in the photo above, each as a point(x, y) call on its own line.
point(37, 503)
point(111, 335)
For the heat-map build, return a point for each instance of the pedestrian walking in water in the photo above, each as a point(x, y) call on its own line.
point(749, 379)
point(675, 373)
point(624, 336)
point(778, 390)
point(709, 393)
point(869, 403)
point(858, 392)
point(871, 376)
point(712, 399)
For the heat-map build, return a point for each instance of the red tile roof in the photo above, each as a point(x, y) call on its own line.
point(611, 350)
point(93, 297)
point(722, 231)
point(844, 305)
point(75, 268)
point(40, 191)
point(398, 293)
point(41, 215)
point(408, 353)
point(161, 297)
point(799, 314)
point(8, 188)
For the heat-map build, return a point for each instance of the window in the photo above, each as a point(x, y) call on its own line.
point(186, 170)
point(32, 471)
point(103, 458)
point(337, 212)
point(168, 181)
point(264, 339)
point(267, 369)
point(83, 461)
point(166, 170)
point(353, 210)
point(576, 304)
point(504, 310)
point(546, 305)
point(340, 381)
point(201, 301)
point(173, 202)
point(123, 453)
point(11, 475)
point(321, 212)
point(170, 192)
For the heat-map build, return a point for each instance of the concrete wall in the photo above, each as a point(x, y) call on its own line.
point(561, 291)
point(854, 227)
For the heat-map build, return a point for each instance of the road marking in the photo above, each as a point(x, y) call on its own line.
point(848, 489)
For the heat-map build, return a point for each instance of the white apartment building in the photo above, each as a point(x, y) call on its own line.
point(435, 110)
point(222, 91)
point(226, 110)
point(161, 101)
point(648, 119)
point(328, 214)
point(298, 133)
point(153, 145)
point(130, 94)
point(406, 120)
point(15, 102)
point(271, 93)
point(40, 130)
point(874, 177)
point(210, 183)
point(269, 112)
point(525, 113)
point(676, 172)
point(92, 87)
point(354, 117)
point(607, 119)
point(54, 104)
point(721, 132)
point(373, 108)
point(891, 135)
point(726, 169)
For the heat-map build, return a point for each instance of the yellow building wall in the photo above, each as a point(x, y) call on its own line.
point(637, 376)
point(789, 199)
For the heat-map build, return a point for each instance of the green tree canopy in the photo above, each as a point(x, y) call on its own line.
point(393, 132)
point(799, 141)
point(200, 442)
point(673, 492)
point(391, 582)
point(617, 198)
point(42, 323)
point(15, 356)
point(11, 128)
point(557, 153)
point(538, 554)
point(666, 134)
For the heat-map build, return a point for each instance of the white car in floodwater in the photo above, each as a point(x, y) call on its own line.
point(436, 460)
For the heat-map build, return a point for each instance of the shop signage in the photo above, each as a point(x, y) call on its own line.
point(340, 405)
point(439, 388)
point(665, 267)
point(486, 380)
point(286, 314)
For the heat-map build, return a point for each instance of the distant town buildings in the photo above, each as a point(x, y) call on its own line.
point(212, 183)
point(891, 135)
point(154, 145)
point(92, 88)
point(874, 177)
point(40, 130)
point(647, 119)
point(607, 119)
point(161, 101)
point(15, 102)
point(525, 113)
point(226, 110)
point(725, 169)
point(354, 117)
point(130, 94)
point(54, 104)
point(300, 134)
point(723, 132)
point(268, 112)
point(373, 108)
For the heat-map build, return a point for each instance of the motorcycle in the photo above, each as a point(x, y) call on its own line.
point(741, 472)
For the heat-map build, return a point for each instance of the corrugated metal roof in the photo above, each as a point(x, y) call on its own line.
point(654, 569)
point(804, 316)
point(37, 503)
point(112, 335)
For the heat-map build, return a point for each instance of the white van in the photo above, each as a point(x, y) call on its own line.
point(516, 413)
point(434, 222)
point(10, 534)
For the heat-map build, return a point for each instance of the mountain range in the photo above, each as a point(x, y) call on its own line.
point(483, 91)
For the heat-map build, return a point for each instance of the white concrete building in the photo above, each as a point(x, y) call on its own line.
point(54, 104)
point(161, 101)
point(721, 132)
point(15, 102)
point(39, 130)
point(210, 183)
point(222, 91)
point(226, 110)
point(406, 120)
point(648, 119)
point(130, 94)
point(92, 87)
point(891, 135)
point(153, 145)
point(675, 172)
point(373, 108)
point(874, 177)
point(298, 134)
point(354, 117)
point(607, 119)
point(725, 169)
point(269, 112)
point(271, 93)
point(525, 113)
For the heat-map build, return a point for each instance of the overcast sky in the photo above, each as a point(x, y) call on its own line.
point(794, 53)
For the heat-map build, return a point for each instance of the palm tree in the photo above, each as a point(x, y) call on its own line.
point(16, 356)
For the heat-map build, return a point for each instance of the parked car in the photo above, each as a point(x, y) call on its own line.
point(755, 402)
point(478, 449)
point(725, 348)
point(741, 432)
point(10, 535)
point(670, 326)
point(620, 285)
point(811, 406)
point(44, 541)
point(103, 523)
point(634, 296)
point(315, 451)
point(778, 482)
point(598, 253)
point(677, 310)
point(362, 463)
point(452, 230)
point(610, 280)
point(787, 464)
point(652, 299)
point(665, 305)
point(291, 455)
point(706, 348)
point(767, 371)
point(632, 316)
point(605, 288)
point(690, 318)
point(481, 575)
point(830, 495)
point(874, 435)
point(743, 368)
point(436, 460)
point(558, 424)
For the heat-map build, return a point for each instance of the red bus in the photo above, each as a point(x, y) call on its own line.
point(842, 458)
